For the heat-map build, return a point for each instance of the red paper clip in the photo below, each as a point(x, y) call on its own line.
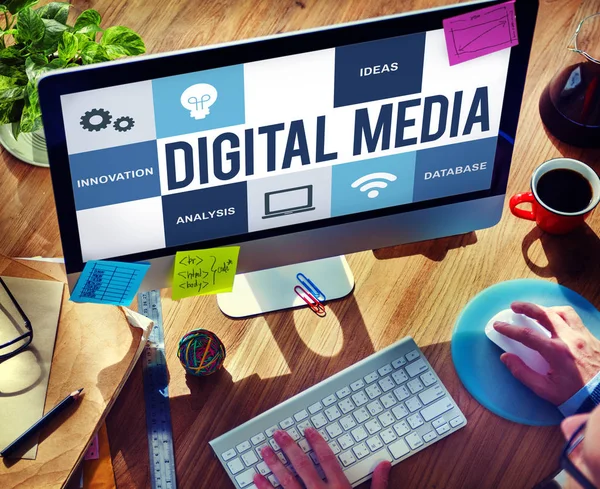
point(315, 305)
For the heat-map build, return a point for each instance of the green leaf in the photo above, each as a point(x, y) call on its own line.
point(11, 111)
point(121, 41)
point(36, 66)
point(31, 118)
point(90, 31)
point(11, 55)
point(58, 11)
point(15, 73)
point(15, 6)
point(67, 47)
point(52, 35)
point(87, 17)
point(30, 26)
point(93, 53)
point(11, 94)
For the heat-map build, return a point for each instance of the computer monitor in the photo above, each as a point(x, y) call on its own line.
point(296, 147)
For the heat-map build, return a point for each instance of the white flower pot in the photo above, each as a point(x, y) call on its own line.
point(30, 147)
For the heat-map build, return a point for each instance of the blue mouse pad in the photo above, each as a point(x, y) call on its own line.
point(477, 359)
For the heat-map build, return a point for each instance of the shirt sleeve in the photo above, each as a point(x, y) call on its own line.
point(584, 400)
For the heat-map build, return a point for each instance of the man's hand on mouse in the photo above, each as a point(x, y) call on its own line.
point(305, 468)
point(572, 352)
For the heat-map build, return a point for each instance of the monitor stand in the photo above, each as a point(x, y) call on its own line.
point(273, 289)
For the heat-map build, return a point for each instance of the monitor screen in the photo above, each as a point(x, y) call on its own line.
point(269, 144)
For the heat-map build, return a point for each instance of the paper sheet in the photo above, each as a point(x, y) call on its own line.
point(24, 378)
point(203, 272)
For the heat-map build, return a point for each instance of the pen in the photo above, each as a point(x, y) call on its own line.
point(41, 423)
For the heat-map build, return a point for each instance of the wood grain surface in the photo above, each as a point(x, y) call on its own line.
point(416, 289)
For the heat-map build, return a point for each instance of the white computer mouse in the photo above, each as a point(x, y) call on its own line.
point(530, 357)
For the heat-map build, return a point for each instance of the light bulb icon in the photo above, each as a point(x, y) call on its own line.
point(198, 99)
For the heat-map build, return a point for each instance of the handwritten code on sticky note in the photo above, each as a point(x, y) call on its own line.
point(203, 272)
point(109, 282)
point(481, 32)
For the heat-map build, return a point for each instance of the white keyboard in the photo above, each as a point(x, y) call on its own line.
point(388, 406)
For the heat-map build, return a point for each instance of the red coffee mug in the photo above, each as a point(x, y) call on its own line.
point(551, 220)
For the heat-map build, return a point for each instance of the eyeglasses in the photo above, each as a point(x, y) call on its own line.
point(23, 336)
point(566, 462)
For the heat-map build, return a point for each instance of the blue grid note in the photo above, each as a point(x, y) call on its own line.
point(109, 282)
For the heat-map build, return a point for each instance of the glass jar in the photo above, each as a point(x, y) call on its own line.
point(570, 104)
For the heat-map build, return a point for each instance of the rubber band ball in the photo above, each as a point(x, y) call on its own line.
point(201, 352)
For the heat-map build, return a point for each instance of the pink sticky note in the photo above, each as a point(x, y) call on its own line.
point(93, 451)
point(481, 32)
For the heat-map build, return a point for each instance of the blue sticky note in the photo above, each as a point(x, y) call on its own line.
point(109, 282)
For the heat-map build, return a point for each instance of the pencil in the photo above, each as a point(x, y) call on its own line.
point(16, 445)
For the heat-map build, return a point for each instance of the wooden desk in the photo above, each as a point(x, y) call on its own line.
point(416, 289)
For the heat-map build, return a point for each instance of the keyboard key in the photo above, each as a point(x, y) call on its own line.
point(259, 438)
point(315, 408)
point(438, 422)
point(388, 436)
point(412, 355)
point(443, 429)
point(274, 444)
point(242, 447)
point(259, 449)
point(249, 458)
point(413, 404)
point(301, 415)
point(361, 415)
point(333, 413)
point(386, 384)
point(401, 428)
point(359, 434)
point(416, 368)
point(399, 362)
point(263, 468)
point(324, 435)
point(437, 408)
point(347, 458)
point(456, 422)
point(366, 466)
point(293, 432)
point(427, 437)
point(361, 450)
point(372, 377)
point(245, 478)
point(347, 422)
point(388, 400)
point(345, 441)
point(235, 466)
point(372, 426)
point(228, 455)
point(399, 449)
point(282, 458)
point(360, 398)
point(386, 419)
point(334, 430)
point(355, 386)
point(329, 400)
point(400, 376)
point(414, 440)
point(373, 391)
point(271, 431)
point(375, 408)
point(415, 386)
point(431, 394)
point(374, 443)
point(274, 481)
point(346, 406)
point(286, 423)
point(402, 393)
point(302, 426)
point(415, 421)
point(386, 369)
point(335, 448)
point(428, 378)
point(303, 444)
point(400, 411)
point(319, 420)
point(343, 392)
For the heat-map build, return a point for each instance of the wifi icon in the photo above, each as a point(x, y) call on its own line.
point(372, 182)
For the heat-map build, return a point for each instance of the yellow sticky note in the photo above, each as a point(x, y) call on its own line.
point(203, 272)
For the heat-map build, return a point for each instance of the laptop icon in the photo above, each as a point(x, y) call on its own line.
point(288, 201)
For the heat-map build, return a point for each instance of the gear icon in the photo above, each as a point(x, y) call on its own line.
point(124, 124)
point(105, 118)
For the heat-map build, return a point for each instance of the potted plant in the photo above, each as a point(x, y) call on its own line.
point(36, 41)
